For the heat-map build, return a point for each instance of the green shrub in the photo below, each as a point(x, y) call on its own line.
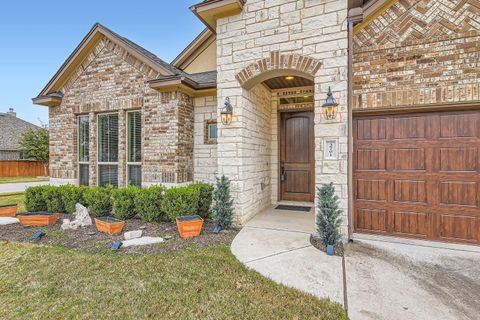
point(182, 201)
point(71, 195)
point(204, 191)
point(223, 203)
point(34, 199)
point(148, 204)
point(53, 199)
point(124, 202)
point(99, 200)
point(329, 217)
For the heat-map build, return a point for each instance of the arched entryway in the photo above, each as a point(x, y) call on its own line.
point(278, 123)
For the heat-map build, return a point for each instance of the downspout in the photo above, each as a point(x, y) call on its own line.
point(355, 16)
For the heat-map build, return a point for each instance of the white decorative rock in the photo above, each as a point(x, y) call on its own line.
point(8, 220)
point(141, 241)
point(132, 234)
point(65, 224)
point(82, 219)
point(81, 216)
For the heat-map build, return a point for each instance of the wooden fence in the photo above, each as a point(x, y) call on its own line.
point(21, 169)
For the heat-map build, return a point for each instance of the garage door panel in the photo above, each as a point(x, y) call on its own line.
point(418, 175)
point(371, 190)
point(408, 159)
point(460, 193)
point(410, 127)
point(410, 223)
point(371, 159)
point(413, 191)
point(373, 220)
point(371, 129)
point(463, 125)
point(458, 159)
point(458, 228)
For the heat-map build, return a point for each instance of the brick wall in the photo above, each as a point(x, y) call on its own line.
point(112, 83)
point(418, 53)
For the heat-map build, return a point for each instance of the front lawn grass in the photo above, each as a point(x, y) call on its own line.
point(12, 198)
point(4, 180)
point(41, 282)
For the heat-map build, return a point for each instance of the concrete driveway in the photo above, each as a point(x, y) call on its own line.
point(380, 277)
point(409, 279)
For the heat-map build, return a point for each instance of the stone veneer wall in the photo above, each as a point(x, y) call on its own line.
point(418, 53)
point(257, 152)
point(205, 155)
point(311, 28)
point(109, 82)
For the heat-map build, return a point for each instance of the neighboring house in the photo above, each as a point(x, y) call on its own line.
point(402, 147)
point(11, 131)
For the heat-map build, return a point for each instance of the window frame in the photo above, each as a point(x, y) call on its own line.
point(207, 139)
point(98, 147)
point(127, 137)
point(80, 163)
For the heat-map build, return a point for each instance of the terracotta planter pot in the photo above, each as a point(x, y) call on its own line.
point(9, 210)
point(109, 225)
point(189, 226)
point(37, 219)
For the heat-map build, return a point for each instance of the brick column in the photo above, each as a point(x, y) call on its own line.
point(122, 149)
point(93, 149)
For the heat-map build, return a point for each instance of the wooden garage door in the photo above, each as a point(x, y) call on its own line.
point(418, 175)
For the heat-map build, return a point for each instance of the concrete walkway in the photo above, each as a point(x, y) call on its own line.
point(280, 250)
point(20, 187)
point(382, 277)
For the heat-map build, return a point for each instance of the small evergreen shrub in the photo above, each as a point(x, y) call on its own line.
point(35, 200)
point(53, 199)
point(328, 219)
point(71, 195)
point(99, 200)
point(148, 204)
point(223, 203)
point(182, 201)
point(205, 193)
point(124, 202)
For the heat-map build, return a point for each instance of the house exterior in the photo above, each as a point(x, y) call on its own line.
point(11, 131)
point(401, 147)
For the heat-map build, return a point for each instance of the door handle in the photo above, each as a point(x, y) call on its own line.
point(283, 175)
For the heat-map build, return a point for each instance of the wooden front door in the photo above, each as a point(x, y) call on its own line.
point(418, 175)
point(297, 179)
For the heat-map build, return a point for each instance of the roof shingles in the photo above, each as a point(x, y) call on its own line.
point(11, 131)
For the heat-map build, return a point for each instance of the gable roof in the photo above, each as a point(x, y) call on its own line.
point(92, 38)
point(51, 95)
point(194, 49)
point(11, 130)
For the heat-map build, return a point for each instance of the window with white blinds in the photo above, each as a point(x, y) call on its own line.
point(108, 149)
point(108, 174)
point(83, 149)
point(134, 148)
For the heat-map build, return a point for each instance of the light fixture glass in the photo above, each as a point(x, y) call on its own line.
point(330, 107)
point(289, 78)
point(227, 112)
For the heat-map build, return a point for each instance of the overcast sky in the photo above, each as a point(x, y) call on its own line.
point(37, 36)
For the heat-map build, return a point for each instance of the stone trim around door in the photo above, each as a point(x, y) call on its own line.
point(290, 63)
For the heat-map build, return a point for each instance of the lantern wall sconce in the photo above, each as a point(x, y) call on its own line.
point(330, 107)
point(227, 112)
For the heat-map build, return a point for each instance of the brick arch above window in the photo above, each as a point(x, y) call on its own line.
point(278, 64)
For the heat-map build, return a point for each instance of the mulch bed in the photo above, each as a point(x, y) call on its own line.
point(317, 243)
point(90, 240)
